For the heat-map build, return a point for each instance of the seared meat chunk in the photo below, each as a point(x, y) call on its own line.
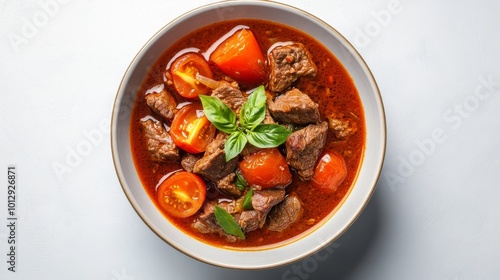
point(230, 95)
point(341, 128)
point(248, 220)
point(294, 107)
point(188, 162)
point(288, 63)
point(231, 206)
point(211, 226)
point(227, 185)
point(213, 165)
point(207, 223)
point(160, 145)
point(162, 102)
point(264, 200)
point(285, 213)
point(304, 146)
point(268, 119)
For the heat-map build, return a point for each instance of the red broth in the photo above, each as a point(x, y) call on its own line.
point(332, 88)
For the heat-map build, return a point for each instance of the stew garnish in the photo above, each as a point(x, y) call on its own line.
point(248, 126)
point(227, 222)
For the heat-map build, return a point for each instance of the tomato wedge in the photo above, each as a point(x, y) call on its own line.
point(329, 173)
point(241, 58)
point(184, 70)
point(266, 168)
point(182, 194)
point(191, 130)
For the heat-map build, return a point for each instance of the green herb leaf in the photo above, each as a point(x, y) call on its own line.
point(249, 129)
point(247, 200)
point(253, 110)
point(234, 144)
point(219, 114)
point(227, 222)
point(268, 135)
point(241, 183)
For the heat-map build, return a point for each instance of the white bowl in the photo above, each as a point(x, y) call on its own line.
point(368, 175)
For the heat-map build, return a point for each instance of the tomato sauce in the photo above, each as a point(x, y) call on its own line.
point(332, 88)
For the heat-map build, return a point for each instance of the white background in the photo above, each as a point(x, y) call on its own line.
point(435, 213)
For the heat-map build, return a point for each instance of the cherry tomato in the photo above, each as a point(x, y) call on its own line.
point(329, 173)
point(191, 130)
point(184, 70)
point(240, 57)
point(182, 194)
point(266, 168)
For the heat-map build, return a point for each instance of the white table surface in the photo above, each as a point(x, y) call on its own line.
point(435, 213)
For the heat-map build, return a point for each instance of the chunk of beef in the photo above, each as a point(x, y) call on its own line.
point(248, 220)
point(231, 206)
point(227, 185)
point(268, 119)
point(288, 63)
point(285, 213)
point(304, 146)
point(230, 95)
point(294, 107)
point(341, 128)
point(213, 165)
point(269, 98)
point(207, 223)
point(160, 145)
point(188, 161)
point(262, 201)
point(162, 102)
point(210, 226)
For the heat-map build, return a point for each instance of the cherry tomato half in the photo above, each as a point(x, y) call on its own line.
point(240, 57)
point(329, 173)
point(191, 130)
point(182, 194)
point(184, 70)
point(266, 168)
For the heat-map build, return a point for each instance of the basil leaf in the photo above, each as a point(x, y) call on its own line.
point(249, 129)
point(268, 135)
point(241, 183)
point(247, 200)
point(218, 113)
point(227, 222)
point(253, 110)
point(234, 145)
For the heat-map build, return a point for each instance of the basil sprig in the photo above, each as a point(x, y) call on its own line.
point(249, 128)
point(227, 222)
point(247, 200)
point(241, 183)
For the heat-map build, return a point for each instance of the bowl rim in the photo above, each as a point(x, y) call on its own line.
point(350, 48)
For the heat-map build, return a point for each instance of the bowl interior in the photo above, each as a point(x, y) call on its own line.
point(368, 174)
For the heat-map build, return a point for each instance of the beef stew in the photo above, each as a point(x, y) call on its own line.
point(307, 91)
